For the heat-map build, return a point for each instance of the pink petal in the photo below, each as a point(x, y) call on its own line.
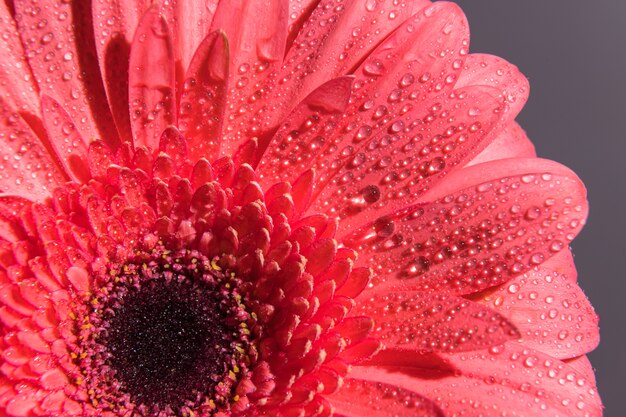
point(24, 153)
point(203, 97)
point(507, 379)
point(257, 49)
point(331, 43)
point(53, 402)
point(342, 35)
point(434, 323)
point(359, 398)
point(582, 365)
point(549, 309)
point(187, 37)
point(58, 41)
point(70, 148)
point(299, 11)
point(152, 80)
point(299, 140)
point(511, 142)
point(410, 156)
point(262, 37)
point(54, 379)
point(397, 86)
point(21, 404)
point(79, 278)
point(459, 244)
point(17, 87)
point(114, 23)
point(489, 70)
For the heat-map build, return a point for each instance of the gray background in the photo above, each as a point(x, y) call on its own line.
point(574, 54)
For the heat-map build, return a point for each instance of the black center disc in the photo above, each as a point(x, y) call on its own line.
point(167, 341)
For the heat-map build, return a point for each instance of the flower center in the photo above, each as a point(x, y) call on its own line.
point(165, 339)
point(166, 334)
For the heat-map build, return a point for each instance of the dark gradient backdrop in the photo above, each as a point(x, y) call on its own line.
point(574, 54)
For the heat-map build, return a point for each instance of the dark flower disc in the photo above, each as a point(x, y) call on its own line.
point(166, 333)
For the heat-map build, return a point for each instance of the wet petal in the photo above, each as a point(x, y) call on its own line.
point(399, 97)
point(406, 159)
point(548, 308)
point(301, 137)
point(203, 97)
point(24, 153)
point(420, 322)
point(336, 33)
point(152, 80)
point(69, 147)
point(511, 142)
point(187, 38)
point(508, 378)
point(478, 231)
point(18, 89)
point(114, 26)
point(489, 70)
point(359, 398)
point(61, 55)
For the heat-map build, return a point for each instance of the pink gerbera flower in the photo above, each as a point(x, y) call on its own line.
point(278, 208)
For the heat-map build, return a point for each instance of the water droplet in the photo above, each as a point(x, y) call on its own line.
point(556, 246)
point(474, 111)
point(532, 213)
point(530, 361)
point(374, 68)
point(371, 193)
point(436, 165)
point(407, 80)
point(384, 227)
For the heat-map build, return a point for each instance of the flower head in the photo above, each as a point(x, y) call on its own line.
point(283, 208)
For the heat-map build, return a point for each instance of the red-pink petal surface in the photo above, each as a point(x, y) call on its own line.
point(422, 322)
point(548, 308)
point(18, 89)
point(152, 79)
point(583, 366)
point(511, 142)
point(66, 141)
point(22, 153)
point(491, 223)
point(508, 378)
point(203, 96)
point(379, 103)
point(405, 159)
point(339, 35)
point(257, 50)
point(262, 38)
point(185, 37)
point(334, 39)
point(359, 398)
point(349, 163)
point(60, 56)
point(289, 150)
point(114, 27)
point(493, 71)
